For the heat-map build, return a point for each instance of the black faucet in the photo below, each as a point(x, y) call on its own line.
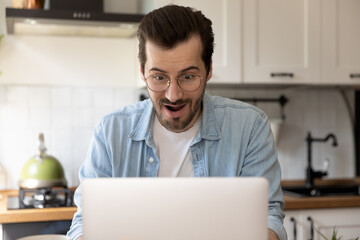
point(310, 173)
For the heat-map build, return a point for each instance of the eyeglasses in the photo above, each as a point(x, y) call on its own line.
point(161, 82)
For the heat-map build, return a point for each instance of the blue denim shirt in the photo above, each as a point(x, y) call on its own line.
point(234, 140)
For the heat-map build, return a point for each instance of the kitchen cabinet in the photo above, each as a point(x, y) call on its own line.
point(346, 220)
point(226, 19)
point(281, 41)
point(341, 38)
point(291, 224)
point(18, 230)
point(301, 42)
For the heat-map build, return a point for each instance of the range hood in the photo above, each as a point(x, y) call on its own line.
point(72, 17)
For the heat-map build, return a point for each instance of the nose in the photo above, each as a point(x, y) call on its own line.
point(173, 92)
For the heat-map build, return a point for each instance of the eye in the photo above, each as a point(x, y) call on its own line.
point(187, 77)
point(159, 77)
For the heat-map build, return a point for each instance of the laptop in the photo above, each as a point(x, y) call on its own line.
point(175, 208)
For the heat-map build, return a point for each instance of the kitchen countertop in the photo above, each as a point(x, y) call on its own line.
point(291, 203)
point(295, 203)
point(31, 215)
point(299, 203)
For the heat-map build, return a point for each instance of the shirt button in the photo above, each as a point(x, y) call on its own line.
point(151, 160)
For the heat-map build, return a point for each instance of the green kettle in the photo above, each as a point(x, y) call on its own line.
point(42, 170)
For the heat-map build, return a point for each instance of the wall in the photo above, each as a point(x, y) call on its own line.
point(67, 115)
point(61, 86)
point(318, 110)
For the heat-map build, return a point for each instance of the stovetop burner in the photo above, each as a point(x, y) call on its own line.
point(42, 198)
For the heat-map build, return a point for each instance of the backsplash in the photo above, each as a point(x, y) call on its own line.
point(318, 110)
point(61, 86)
point(67, 116)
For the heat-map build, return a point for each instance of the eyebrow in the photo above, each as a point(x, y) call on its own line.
point(181, 71)
point(189, 68)
point(157, 69)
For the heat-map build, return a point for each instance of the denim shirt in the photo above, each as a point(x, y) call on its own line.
point(234, 140)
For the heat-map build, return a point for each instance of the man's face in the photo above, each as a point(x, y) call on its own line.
point(176, 109)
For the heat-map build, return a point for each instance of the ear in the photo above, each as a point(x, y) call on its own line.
point(141, 72)
point(210, 72)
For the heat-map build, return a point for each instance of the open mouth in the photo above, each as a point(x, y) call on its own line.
point(174, 108)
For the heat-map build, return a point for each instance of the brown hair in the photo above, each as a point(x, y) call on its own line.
point(172, 24)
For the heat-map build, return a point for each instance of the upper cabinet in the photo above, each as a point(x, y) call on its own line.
point(341, 41)
point(281, 41)
point(301, 42)
point(226, 19)
point(256, 42)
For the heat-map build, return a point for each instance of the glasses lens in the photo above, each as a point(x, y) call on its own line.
point(189, 82)
point(157, 83)
point(160, 82)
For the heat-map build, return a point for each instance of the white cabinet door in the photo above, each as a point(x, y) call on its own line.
point(346, 220)
point(281, 41)
point(226, 19)
point(341, 41)
point(292, 224)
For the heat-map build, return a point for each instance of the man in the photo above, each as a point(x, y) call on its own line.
point(181, 130)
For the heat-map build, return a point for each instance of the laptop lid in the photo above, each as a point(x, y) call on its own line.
point(175, 208)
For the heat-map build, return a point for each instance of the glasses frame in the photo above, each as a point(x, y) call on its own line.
point(169, 82)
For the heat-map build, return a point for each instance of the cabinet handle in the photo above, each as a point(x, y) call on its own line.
point(282, 74)
point(311, 228)
point(293, 220)
point(354, 75)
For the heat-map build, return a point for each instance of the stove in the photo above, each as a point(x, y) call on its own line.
point(41, 198)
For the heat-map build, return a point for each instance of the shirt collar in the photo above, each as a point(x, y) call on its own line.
point(143, 129)
point(209, 128)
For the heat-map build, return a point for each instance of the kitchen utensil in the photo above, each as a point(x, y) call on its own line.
point(29, 4)
point(35, 4)
point(19, 3)
point(42, 170)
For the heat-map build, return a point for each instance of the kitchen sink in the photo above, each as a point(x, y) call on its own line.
point(318, 191)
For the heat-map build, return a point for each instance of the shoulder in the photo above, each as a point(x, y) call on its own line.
point(222, 105)
point(127, 116)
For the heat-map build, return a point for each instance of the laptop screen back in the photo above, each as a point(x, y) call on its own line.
point(175, 208)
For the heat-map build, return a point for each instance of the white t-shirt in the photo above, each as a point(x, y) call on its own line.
point(173, 149)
